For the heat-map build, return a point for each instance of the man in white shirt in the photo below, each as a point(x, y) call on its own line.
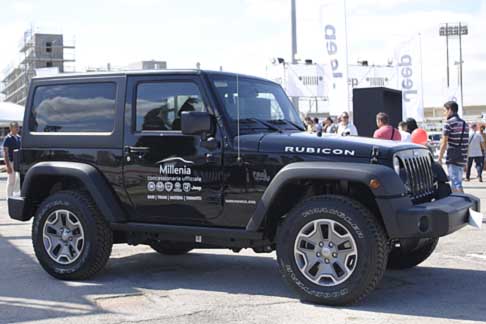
point(475, 153)
point(406, 137)
point(346, 128)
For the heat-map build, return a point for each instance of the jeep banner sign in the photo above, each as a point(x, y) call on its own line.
point(335, 52)
point(409, 72)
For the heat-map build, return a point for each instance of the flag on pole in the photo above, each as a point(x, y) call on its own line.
point(409, 71)
point(454, 94)
point(333, 18)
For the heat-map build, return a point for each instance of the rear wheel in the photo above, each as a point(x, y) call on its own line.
point(331, 250)
point(411, 253)
point(171, 248)
point(71, 239)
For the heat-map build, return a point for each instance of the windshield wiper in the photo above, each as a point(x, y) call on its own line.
point(285, 121)
point(256, 120)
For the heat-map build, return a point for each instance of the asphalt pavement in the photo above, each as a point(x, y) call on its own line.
point(207, 286)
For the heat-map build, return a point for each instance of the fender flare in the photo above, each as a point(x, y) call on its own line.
point(99, 189)
point(391, 185)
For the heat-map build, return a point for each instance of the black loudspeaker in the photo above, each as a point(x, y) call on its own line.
point(367, 102)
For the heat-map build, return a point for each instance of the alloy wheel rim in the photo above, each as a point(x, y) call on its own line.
point(63, 236)
point(325, 252)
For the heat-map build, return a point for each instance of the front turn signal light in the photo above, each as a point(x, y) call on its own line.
point(374, 184)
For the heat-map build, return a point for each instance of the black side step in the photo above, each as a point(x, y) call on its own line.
point(224, 237)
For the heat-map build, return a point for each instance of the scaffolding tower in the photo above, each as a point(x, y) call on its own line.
point(39, 51)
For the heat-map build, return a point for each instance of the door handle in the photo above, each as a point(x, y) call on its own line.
point(137, 149)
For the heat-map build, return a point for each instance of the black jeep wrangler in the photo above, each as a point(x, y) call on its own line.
point(181, 160)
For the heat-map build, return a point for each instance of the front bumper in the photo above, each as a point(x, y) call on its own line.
point(433, 219)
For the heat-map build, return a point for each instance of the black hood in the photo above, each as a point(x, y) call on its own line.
point(303, 143)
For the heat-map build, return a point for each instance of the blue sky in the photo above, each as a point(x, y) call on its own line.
point(244, 35)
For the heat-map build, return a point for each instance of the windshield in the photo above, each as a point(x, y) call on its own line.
point(263, 104)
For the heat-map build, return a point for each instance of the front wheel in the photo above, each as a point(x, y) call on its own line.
point(331, 250)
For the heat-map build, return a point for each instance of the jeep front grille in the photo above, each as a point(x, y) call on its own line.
point(419, 178)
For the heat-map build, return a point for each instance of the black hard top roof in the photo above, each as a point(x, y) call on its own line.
point(141, 73)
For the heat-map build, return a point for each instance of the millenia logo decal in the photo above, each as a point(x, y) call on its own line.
point(168, 166)
point(172, 169)
point(318, 150)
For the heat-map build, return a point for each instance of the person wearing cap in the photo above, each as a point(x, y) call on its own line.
point(11, 142)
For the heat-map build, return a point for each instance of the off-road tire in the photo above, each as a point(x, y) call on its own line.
point(366, 231)
point(170, 248)
point(98, 236)
point(405, 258)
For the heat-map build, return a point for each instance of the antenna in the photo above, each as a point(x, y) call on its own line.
point(238, 115)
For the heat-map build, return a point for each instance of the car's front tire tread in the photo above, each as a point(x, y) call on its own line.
point(374, 228)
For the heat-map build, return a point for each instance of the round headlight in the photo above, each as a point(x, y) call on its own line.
point(396, 165)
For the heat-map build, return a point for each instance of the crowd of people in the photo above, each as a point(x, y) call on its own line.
point(344, 127)
point(462, 145)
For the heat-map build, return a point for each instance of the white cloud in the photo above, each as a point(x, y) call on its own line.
point(23, 7)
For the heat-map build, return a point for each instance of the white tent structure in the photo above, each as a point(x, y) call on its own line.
point(10, 112)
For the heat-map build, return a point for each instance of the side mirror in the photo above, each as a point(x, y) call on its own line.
point(196, 123)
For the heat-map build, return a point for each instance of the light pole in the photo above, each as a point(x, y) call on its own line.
point(461, 62)
point(447, 54)
point(293, 14)
point(294, 31)
point(455, 31)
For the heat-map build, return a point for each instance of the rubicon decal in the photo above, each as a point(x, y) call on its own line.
point(319, 150)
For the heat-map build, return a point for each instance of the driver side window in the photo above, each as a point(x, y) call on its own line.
point(160, 104)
